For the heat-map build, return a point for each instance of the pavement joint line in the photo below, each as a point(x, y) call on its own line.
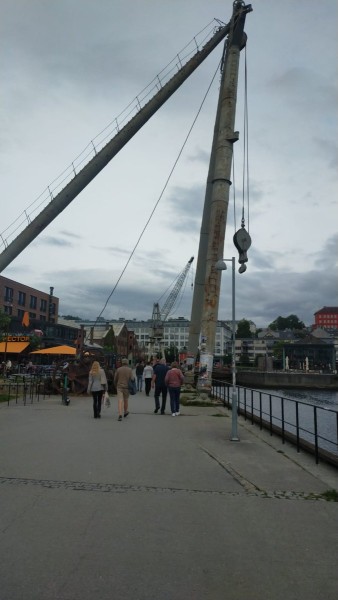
point(116, 488)
point(309, 469)
point(245, 483)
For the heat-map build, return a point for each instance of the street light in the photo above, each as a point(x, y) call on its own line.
point(221, 266)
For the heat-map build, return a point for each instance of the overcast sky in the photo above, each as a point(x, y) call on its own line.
point(68, 68)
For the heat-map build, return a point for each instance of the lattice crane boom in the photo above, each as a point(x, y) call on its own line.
point(159, 315)
point(170, 301)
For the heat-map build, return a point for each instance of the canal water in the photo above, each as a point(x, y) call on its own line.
point(297, 405)
point(323, 398)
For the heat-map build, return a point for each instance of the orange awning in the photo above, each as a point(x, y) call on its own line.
point(13, 347)
point(56, 350)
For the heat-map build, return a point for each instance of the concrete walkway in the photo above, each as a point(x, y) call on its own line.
point(159, 508)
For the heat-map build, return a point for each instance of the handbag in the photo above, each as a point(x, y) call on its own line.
point(132, 387)
point(106, 400)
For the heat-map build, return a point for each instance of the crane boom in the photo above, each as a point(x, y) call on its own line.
point(159, 315)
point(170, 301)
point(105, 155)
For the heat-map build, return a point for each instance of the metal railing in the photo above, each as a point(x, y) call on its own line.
point(25, 388)
point(308, 426)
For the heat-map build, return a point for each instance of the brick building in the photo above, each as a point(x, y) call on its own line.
point(17, 298)
point(327, 317)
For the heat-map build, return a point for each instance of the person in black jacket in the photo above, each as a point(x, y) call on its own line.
point(139, 375)
point(160, 371)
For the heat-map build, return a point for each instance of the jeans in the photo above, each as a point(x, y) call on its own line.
point(97, 400)
point(139, 383)
point(174, 393)
point(147, 385)
point(160, 389)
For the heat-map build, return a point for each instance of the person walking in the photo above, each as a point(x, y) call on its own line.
point(160, 371)
point(122, 376)
point(147, 376)
point(139, 375)
point(174, 379)
point(97, 384)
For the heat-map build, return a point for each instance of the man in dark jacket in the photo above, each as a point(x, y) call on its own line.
point(139, 375)
point(160, 371)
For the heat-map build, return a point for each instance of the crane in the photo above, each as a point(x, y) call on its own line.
point(160, 315)
point(102, 157)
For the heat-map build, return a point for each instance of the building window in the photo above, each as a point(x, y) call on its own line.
point(33, 302)
point(20, 313)
point(22, 299)
point(43, 305)
point(42, 317)
point(7, 310)
point(8, 294)
point(32, 315)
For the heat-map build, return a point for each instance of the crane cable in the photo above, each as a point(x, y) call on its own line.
point(245, 191)
point(245, 173)
point(159, 198)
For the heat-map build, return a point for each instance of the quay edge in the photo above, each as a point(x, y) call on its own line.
point(320, 381)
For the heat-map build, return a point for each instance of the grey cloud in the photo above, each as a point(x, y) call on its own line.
point(187, 201)
point(200, 155)
point(329, 151)
point(329, 254)
point(83, 45)
point(262, 300)
point(303, 84)
point(70, 234)
point(260, 261)
point(113, 250)
point(53, 241)
point(261, 294)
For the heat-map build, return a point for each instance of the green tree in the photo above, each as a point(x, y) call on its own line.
point(71, 318)
point(244, 359)
point(290, 322)
point(171, 354)
point(243, 329)
point(226, 359)
point(34, 342)
point(277, 349)
point(4, 322)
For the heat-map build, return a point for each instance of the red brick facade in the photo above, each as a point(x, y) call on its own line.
point(327, 317)
point(17, 298)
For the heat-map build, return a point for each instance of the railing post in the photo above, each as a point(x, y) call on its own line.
point(297, 425)
point(252, 408)
point(316, 433)
point(270, 409)
point(245, 404)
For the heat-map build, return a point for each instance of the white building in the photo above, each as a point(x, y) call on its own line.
point(176, 332)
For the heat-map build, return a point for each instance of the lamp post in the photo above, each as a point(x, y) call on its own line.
point(221, 266)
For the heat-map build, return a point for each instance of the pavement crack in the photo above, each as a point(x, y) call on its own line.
point(245, 483)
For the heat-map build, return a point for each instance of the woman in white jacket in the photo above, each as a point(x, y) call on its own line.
point(97, 384)
point(147, 376)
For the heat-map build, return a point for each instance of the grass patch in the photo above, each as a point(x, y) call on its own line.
point(4, 397)
point(219, 415)
point(196, 403)
point(330, 495)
